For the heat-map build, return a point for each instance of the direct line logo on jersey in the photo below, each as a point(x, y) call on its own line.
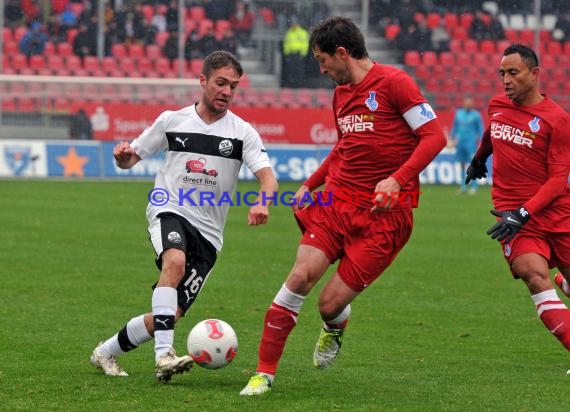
point(198, 166)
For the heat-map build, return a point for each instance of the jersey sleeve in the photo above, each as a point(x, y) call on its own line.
point(255, 156)
point(153, 139)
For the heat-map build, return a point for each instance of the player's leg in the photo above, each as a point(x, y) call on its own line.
point(334, 307)
point(281, 317)
point(137, 331)
point(532, 268)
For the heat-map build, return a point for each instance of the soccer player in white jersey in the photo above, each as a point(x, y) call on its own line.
point(205, 146)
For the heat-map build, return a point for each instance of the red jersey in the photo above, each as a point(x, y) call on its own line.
point(527, 141)
point(373, 121)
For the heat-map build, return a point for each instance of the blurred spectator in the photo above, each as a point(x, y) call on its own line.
point(85, 42)
point(170, 49)
point(229, 42)
point(68, 19)
point(159, 21)
point(219, 9)
point(406, 38)
point(148, 33)
point(172, 16)
point(295, 48)
point(422, 37)
point(34, 41)
point(440, 38)
point(242, 22)
point(485, 26)
point(561, 31)
point(13, 14)
point(207, 43)
point(191, 49)
point(80, 127)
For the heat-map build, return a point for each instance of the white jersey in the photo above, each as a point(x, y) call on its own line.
point(200, 172)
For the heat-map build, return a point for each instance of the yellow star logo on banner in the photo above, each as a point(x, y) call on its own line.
point(72, 163)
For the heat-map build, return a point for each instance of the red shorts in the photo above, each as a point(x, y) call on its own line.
point(365, 243)
point(542, 238)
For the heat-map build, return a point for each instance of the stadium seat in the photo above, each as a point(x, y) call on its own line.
point(391, 31)
point(412, 58)
point(37, 62)
point(460, 33)
point(19, 62)
point(108, 65)
point(7, 34)
point(531, 22)
point(118, 50)
point(195, 67)
point(145, 66)
point(465, 20)
point(470, 46)
point(64, 49)
point(178, 65)
point(8, 105)
point(480, 60)
point(55, 62)
point(162, 66)
point(516, 21)
point(432, 20)
point(451, 21)
point(439, 71)
point(197, 13)
point(153, 52)
point(443, 101)
point(432, 85)
point(502, 45)
point(71, 34)
point(323, 98)
point(148, 12)
point(463, 59)
point(422, 72)
point(136, 51)
point(10, 48)
point(288, 98)
point(549, 21)
point(548, 61)
point(61, 104)
point(267, 15)
point(28, 104)
point(446, 59)
point(73, 63)
point(49, 48)
point(419, 17)
point(305, 97)
point(160, 38)
point(204, 26)
point(526, 37)
point(455, 45)
point(19, 32)
point(448, 85)
point(487, 46)
point(91, 64)
point(126, 65)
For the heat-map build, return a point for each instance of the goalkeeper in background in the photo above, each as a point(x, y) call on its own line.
point(529, 137)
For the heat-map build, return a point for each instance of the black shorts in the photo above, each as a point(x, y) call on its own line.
point(177, 233)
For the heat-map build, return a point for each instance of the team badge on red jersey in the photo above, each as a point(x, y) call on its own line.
point(533, 124)
point(371, 102)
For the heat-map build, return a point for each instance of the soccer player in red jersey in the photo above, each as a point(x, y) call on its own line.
point(529, 137)
point(387, 134)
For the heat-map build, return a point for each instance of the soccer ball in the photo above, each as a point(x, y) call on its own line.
point(212, 343)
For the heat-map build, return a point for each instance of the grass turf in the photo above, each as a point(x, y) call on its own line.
point(444, 329)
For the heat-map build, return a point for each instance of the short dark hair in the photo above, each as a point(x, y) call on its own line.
point(218, 59)
point(527, 54)
point(336, 32)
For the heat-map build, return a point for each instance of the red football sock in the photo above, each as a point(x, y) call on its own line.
point(555, 315)
point(279, 322)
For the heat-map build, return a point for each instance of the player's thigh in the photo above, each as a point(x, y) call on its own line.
point(532, 268)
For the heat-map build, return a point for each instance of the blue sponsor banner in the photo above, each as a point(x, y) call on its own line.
point(95, 159)
point(73, 160)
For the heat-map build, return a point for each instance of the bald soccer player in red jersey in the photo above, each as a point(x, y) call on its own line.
point(529, 137)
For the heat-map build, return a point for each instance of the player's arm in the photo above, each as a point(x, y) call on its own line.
point(125, 155)
point(259, 213)
point(431, 141)
point(477, 168)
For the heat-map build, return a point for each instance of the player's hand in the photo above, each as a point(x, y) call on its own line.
point(387, 192)
point(258, 215)
point(510, 223)
point(476, 170)
point(302, 193)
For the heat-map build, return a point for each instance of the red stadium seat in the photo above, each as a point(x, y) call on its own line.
point(49, 48)
point(177, 65)
point(422, 72)
point(108, 65)
point(37, 62)
point(451, 21)
point(305, 97)
point(162, 66)
point(470, 46)
point(526, 36)
point(267, 15)
point(455, 45)
point(19, 32)
point(64, 49)
point(118, 50)
point(447, 59)
point(73, 63)
point(126, 65)
point(512, 35)
point(429, 58)
point(463, 59)
point(481, 59)
point(465, 20)
point(391, 31)
point(554, 48)
point(161, 37)
point(28, 104)
point(196, 67)
point(153, 52)
point(91, 64)
point(323, 98)
point(432, 20)
point(487, 47)
point(412, 58)
point(71, 34)
point(197, 13)
point(136, 51)
point(148, 12)
point(460, 33)
point(7, 34)
point(19, 62)
point(432, 85)
point(448, 86)
point(502, 45)
point(55, 62)
point(10, 48)
point(145, 66)
point(548, 61)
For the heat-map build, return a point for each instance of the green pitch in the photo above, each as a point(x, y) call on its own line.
point(444, 329)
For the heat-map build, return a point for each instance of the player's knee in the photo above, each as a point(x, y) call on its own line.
point(173, 266)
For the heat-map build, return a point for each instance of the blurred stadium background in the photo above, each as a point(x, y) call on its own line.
point(103, 70)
